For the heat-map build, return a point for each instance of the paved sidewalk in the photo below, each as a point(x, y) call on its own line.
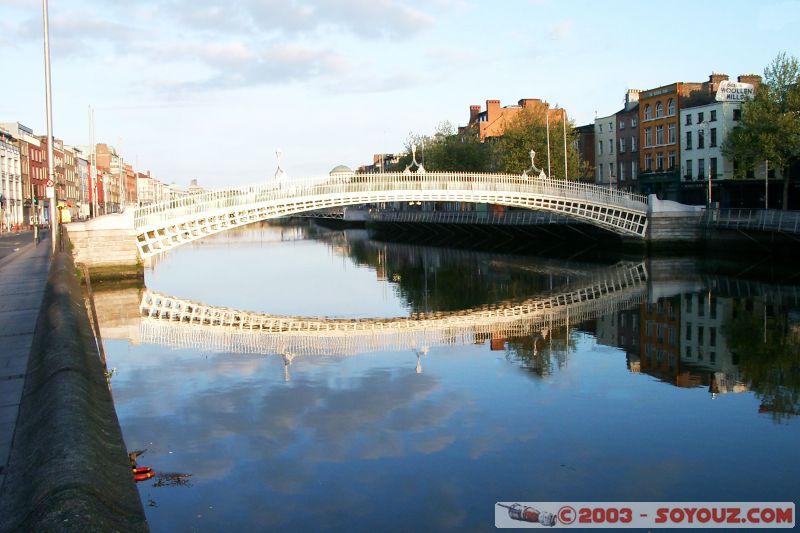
point(23, 277)
point(13, 243)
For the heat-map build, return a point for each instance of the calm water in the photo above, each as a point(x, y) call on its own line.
point(523, 379)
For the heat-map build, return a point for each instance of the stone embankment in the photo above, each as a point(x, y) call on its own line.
point(68, 469)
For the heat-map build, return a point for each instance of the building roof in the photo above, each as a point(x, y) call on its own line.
point(340, 169)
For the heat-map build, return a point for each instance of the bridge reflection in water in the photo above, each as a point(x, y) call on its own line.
point(185, 324)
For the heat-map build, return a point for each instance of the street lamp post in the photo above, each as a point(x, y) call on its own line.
point(706, 142)
point(49, 106)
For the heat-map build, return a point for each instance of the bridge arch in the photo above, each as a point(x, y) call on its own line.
point(163, 226)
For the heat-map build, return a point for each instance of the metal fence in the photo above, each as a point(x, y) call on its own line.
point(753, 219)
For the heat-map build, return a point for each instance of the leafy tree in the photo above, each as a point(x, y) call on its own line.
point(528, 131)
point(770, 125)
point(448, 149)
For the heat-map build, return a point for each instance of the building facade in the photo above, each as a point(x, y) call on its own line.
point(605, 163)
point(706, 121)
point(11, 199)
point(628, 143)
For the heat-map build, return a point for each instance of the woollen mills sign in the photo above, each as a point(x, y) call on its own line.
point(733, 91)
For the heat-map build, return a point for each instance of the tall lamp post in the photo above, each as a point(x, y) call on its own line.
point(49, 105)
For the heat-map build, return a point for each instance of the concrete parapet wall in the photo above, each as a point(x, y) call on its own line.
point(69, 469)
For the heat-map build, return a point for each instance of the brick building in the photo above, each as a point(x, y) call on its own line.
point(495, 119)
point(659, 133)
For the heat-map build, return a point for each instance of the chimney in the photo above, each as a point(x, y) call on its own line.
point(492, 108)
point(714, 79)
point(474, 111)
point(754, 79)
point(631, 95)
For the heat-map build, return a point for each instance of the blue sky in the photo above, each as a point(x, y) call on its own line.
point(208, 89)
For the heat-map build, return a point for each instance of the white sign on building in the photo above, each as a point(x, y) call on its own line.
point(734, 91)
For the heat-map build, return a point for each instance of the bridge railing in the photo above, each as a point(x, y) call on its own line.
point(754, 219)
point(361, 184)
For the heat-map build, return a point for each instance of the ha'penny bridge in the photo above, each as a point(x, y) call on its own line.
point(183, 323)
point(161, 227)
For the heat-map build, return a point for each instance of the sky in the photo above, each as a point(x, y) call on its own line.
point(209, 90)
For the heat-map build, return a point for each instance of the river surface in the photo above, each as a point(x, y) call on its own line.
point(506, 378)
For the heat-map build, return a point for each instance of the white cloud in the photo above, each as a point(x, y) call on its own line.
point(562, 31)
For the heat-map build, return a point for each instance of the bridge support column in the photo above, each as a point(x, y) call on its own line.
point(107, 245)
point(673, 225)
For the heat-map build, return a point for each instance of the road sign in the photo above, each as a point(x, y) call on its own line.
point(50, 192)
point(48, 183)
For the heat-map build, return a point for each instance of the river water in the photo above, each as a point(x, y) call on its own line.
point(506, 378)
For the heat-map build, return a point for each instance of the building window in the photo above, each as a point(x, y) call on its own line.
point(622, 145)
point(713, 140)
point(713, 163)
point(648, 163)
point(713, 115)
point(660, 161)
point(688, 352)
point(611, 146)
point(648, 137)
point(634, 121)
point(659, 110)
point(737, 114)
point(634, 169)
point(700, 118)
point(600, 146)
point(622, 124)
point(701, 165)
point(671, 161)
point(688, 169)
point(610, 170)
point(601, 128)
point(671, 107)
point(659, 135)
point(688, 140)
point(700, 332)
point(610, 127)
point(688, 331)
point(671, 134)
point(633, 143)
point(648, 113)
point(712, 336)
point(701, 138)
point(600, 173)
point(622, 178)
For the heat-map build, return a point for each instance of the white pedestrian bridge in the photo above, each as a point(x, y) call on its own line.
point(181, 323)
point(161, 227)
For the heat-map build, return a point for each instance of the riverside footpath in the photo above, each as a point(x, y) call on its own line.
point(23, 275)
point(63, 461)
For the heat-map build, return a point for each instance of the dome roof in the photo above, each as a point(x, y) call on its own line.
point(340, 169)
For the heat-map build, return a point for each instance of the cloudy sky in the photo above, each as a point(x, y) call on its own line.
point(207, 89)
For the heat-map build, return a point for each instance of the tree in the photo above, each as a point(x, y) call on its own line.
point(528, 131)
point(448, 149)
point(770, 125)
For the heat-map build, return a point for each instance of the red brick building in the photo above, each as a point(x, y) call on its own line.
point(494, 121)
